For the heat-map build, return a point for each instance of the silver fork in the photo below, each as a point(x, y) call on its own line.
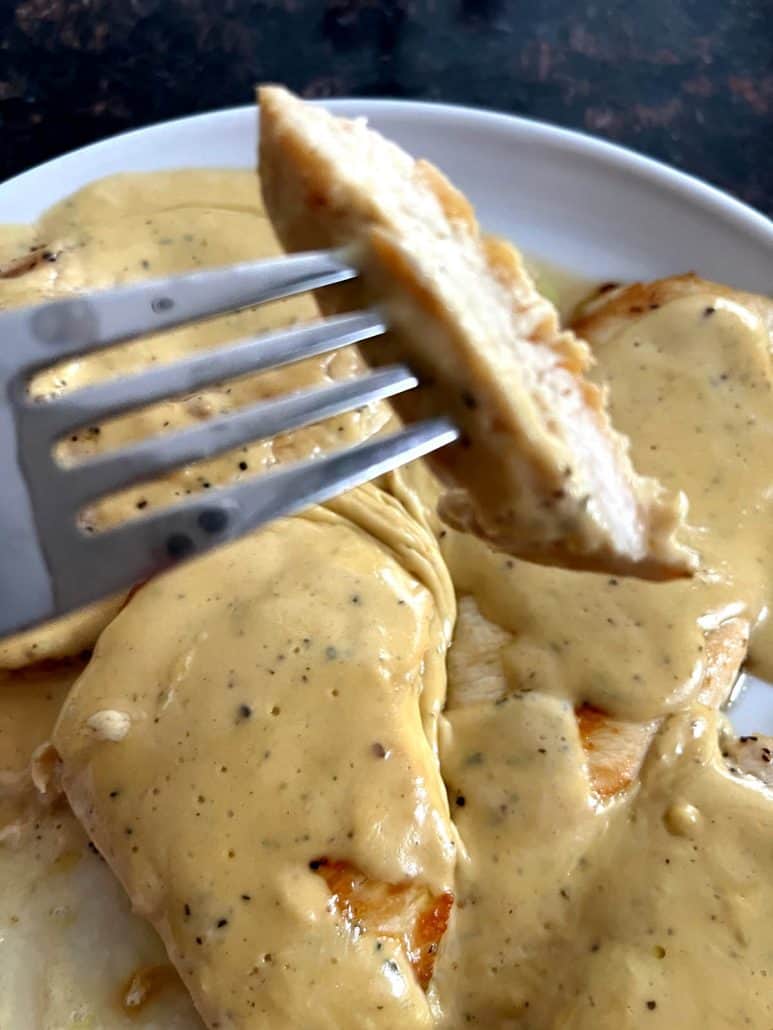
point(48, 564)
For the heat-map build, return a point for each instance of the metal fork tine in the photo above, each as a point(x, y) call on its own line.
point(135, 551)
point(61, 567)
point(272, 350)
point(47, 333)
point(113, 470)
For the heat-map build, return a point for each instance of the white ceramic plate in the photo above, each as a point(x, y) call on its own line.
point(584, 205)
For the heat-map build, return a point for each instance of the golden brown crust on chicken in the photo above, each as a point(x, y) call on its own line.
point(615, 749)
point(614, 306)
point(407, 913)
point(539, 472)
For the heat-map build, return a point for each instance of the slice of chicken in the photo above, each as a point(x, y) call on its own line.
point(614, 748)
point(540, 472)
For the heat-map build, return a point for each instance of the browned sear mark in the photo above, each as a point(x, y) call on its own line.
point(27, 262)
point(614, 749)
point(408, 913)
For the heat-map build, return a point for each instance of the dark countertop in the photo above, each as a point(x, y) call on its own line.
point(687, 81)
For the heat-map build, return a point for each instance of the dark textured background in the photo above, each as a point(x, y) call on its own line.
point(687, 81)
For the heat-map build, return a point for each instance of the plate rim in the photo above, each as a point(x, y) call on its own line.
point(690, 187)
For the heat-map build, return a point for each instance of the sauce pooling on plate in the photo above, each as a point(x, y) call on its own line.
point(261, 733)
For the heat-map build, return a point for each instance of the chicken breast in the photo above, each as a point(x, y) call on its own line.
point(252, 749)
point(689, 366)
point(539, 472)
point(539, 780)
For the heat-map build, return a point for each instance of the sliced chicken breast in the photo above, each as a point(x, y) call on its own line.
point(539, 472)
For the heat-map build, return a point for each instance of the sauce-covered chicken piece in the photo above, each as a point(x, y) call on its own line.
point(540, 472)
point(611, 849)
point(255, 711)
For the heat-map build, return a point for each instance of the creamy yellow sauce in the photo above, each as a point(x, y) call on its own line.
point(293, 696)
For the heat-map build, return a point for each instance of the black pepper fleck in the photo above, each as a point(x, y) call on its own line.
point(213, 520)
point(179, 545)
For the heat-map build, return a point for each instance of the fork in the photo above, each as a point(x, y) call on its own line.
point(48, 564)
